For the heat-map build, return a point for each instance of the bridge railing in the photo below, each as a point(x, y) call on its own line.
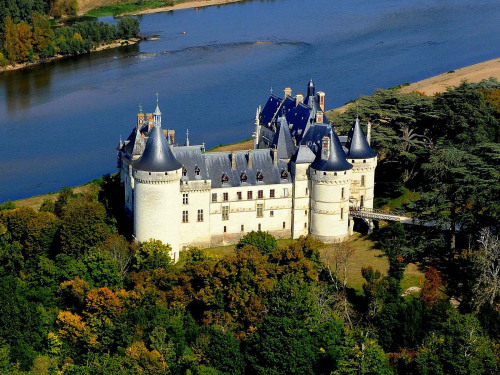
point(374, 213)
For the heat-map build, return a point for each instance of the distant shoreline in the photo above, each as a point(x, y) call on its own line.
point(185, 5)
point(102, 47)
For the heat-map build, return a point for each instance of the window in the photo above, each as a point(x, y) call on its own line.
point(214, 197)
point(305, 212)
point(200, 215)
point(260, 176)
point(271, 193)
point(196, 171)
point(260, 227)
point(307, 191)
point(342, 214)
point(260, 210)
point(260, 194)
point(225, 212)
point(363, 180)
point(362, 201)
point(342, 195)
point(185, 198)
point(285, 192)
point(224, 178)
point(364, 161)
point(242, 228)
point(185, 217)
point(184, 171)
point(225, 229)
point(284, 225)
point(243, 177)
point(271, 213)
point(225, 197)
point(238, 195)
point(249, 195)
point(305, 225)
point(284, 174)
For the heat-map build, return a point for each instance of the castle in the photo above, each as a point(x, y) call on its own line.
point(300, 178)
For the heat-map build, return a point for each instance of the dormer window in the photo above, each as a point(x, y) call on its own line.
point(184, 172)
point(196, 170)
point(244, 177)
point(225, 178)
point(260, 176)
point(284, 174)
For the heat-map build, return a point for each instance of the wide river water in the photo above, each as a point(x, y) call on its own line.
point(60, 122)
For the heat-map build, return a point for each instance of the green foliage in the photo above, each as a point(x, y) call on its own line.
point(83, 225)
point(9, 205)
point(152, 255)
point(263, 241)
point(127, 27)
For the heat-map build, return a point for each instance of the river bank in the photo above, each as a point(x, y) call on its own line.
point(101, 47)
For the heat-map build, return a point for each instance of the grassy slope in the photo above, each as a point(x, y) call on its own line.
point(36, 201)
point(365, 254)
point(247, 144)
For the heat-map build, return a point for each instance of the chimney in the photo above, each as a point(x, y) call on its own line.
point(250, 164)
point(369, 132)
point(319, 117)
point(140, 120)
point(274, 154)
point(299, 98)
point(288, 91)
point(321, 100)
point(233, 160)
point(149, 117)
point(325, 148)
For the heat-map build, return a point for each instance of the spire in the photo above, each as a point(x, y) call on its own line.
point(357, 144)
point(283, 140)
point(157, 156)
point(332, 156)
point(311, 90)
point(157, 113)
point(187, 138)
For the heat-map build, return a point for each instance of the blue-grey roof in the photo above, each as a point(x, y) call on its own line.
point(134, 145)
point(336, 160)
point(191, 157)
point(219, 163)
point(157, 156)
point(303, 155)
point(357, 144)
point(283, 140)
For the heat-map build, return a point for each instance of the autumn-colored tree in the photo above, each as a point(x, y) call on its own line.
point(11, 40)
point(153, 254)
point(42, 32)
point(25, 42)
point(431, 292)
point(73, 294)
point(144, 361)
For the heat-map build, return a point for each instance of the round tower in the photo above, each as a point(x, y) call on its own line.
point(157, 200)
point(364, 161)
point(330, 177)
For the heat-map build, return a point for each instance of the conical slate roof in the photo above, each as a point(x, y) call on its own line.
point(283, 140)
point(157, 156)
point(357, 144)
point(336, 160)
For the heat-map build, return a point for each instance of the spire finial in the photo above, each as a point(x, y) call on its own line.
point(140, 107)
point(156, 98)
point(271, 90)
point(187, 137)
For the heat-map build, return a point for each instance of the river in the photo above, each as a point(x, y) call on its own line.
point(60, 122)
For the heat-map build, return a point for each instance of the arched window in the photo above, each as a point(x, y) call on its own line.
point(243, 177)
point(260, 176)
point(225, 178)
point(196, 170)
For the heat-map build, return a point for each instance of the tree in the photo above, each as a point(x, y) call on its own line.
point(25, 42)
point(42, 32)
point(263, 241)
point(11, 40)
point(83, 225)
point(431, 292)
point(152, 255)
point(487, 262)
point(127, 27)
point(121, 253)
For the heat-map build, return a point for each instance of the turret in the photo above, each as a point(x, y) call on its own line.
point(157, 202)
point(364, 161)
point(330, 177)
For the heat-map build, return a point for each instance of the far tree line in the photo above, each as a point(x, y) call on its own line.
point(28, 42)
